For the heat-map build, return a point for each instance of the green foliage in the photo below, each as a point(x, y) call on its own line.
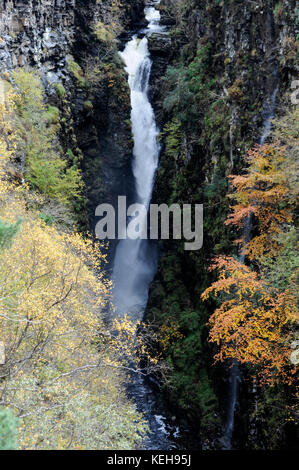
point(216, 128)
point(37, 125)
point(77, 71)
point(208, 403)
point(88, 106)
point(173, 137)
point(53, 115)
point(179, 96)
point(48, 219)
point(8, 232)
point(190, 386)
point(8, 430)
point(104, 32)
point(191, 90)
point(281, 271)
point(53, 179)
point(216, 187)
point(60, 89)
point(30, 90)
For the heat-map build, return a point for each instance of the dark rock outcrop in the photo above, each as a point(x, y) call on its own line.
point(57, 38)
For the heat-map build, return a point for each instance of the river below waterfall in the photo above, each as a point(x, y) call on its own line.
point(135, 261)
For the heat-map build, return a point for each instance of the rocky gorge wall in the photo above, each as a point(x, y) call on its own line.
point(42, 32)
point(83, 78)
point(226, 60)
point(37, 33)
point(232, 55)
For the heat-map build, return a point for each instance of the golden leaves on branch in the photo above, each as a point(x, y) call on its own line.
point(61, 379)
point(257, 308)
point(264, 192)
point(251, 321)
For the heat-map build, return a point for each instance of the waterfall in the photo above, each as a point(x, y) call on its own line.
point(269, 115)
point(135, 260)
point(235, 376)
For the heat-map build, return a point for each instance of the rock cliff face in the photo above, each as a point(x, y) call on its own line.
point(37, 33)
point(82, 77)
point(42, 32)
point(227, 59)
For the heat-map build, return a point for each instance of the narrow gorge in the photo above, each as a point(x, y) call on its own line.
point(132, 343)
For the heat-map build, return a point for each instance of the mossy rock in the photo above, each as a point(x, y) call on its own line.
point(61, 91)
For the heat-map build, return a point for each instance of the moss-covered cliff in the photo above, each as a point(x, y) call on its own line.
point(225, 62)
point(214, 78)
point(73, 47)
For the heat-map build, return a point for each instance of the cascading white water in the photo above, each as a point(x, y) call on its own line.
point(146, 149)
point(152, 15)
point(135, 260)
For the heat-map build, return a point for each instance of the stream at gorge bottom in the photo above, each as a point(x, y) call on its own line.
point(135, 261)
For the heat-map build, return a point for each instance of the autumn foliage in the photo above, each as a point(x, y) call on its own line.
point(257, 304)
point(64, 371)
point(251, 323)
point(265, 193)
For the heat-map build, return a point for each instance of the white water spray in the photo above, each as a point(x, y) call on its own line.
point(135, 260)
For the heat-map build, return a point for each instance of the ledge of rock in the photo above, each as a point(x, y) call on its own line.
point(159, 44)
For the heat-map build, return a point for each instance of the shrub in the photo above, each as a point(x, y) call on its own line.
point(35, 128)
point(8, 430)
point(104, 32)
point(53, 115)
point(77, 71)
point(60, 89)
point(7, 233)
point(60, 375)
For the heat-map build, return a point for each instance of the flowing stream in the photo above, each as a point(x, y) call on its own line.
point(135, 261)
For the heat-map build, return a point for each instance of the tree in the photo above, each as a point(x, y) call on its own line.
point(63, 375)
point(258, 308)
point(264, 192)
point(252, 320)
point(30, 128)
